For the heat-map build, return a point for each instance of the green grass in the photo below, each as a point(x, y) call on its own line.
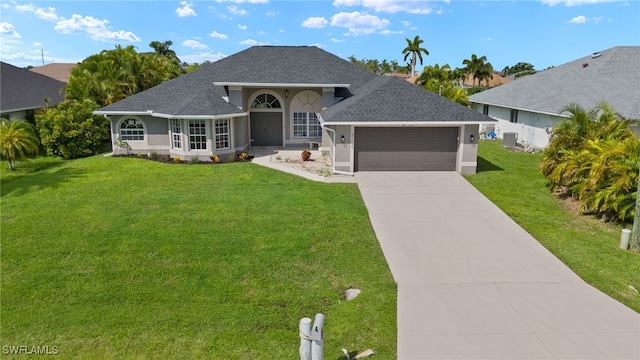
point(513, 181)
point(129, 258)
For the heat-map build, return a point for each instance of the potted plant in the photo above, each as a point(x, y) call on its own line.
point(306, 155)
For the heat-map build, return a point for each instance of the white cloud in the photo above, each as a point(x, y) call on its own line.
point(242, 27)
point(262, 32)
point(338, 40)
point(48, 14)
point(194, 44)
point(186, 9)
point(487, 39)
point(390, 6)
point(216, 35)
point(597, 19)
point(202, 57)
point(271, 13)
point(346, 3)
point(37, 44)
point(359, 23)
point(5, 6)
point(95, 28)
point(236, 10)
point(578, 20)
point(391, 32)
point(281, 30)
point(318, 22)
point(8, 33)
point(570, 3)
point(405, 23)
point(252, 42)
point(318, 45)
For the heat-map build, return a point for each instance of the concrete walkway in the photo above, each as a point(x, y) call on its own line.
point(472, 284)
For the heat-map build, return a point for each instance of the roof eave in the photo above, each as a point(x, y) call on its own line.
point(519, 108)
point(291, 85)
point(199, 117)
point(406, 123)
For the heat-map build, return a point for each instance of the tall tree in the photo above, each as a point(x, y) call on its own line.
point(17, 140)
point(162, 48)
point(414, 50)
point(112, 75)
point(474, 65)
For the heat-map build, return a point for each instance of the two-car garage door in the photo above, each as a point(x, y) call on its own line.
point(406, 148)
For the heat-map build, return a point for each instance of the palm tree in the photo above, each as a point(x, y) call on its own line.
point(485, 73)
point(162, 48)
point(474, 65)
point(434, 73)
point(413, 48)
point(17, 140)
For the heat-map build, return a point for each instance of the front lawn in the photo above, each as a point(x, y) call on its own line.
point(130, 258)
point(513, 181)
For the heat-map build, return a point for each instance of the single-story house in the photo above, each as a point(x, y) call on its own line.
point(297, 96)
point(532, 105)
point(24, 92)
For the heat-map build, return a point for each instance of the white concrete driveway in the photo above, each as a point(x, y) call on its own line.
point(472, 284)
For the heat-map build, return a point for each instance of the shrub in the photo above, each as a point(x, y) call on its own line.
point(215, 158)
point(70, 130)
point(231, 158)
point(194, 160)
point(306, 155)
point(154, 156)
point(176, 160)
point(243, 156)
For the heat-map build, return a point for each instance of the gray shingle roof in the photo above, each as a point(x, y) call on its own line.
point(391, 99)
point(193, 93)
point(22, 89)
point(614, 76)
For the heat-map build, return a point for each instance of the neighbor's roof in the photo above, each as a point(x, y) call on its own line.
point(612, 76)
point(388, 99)
point(22, 89)
point(58, 71)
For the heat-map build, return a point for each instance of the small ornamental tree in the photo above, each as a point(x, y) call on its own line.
point(70, 130)
point(17, 140)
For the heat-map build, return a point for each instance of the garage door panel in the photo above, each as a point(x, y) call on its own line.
point(411, 149)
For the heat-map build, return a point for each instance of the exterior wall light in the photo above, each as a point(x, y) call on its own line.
point(286, 93)
point(471, 138)
point(342, 139)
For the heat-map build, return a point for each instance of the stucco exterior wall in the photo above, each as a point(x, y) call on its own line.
point(467, 161)
point(344, 151)
point(531, 128)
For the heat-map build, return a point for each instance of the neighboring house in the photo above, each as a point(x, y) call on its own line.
point(532, 105)
point(58, 71)
point(296, 97)
point(23, 92)
point(496, 80)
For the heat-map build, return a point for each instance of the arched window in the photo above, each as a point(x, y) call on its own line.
point(132, 130)
point(304, 107)
point(265, 101)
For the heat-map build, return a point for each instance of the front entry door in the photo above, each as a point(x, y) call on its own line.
point(266, 128)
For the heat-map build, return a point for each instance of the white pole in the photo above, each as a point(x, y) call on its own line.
point(317, 338)
point(305, 338)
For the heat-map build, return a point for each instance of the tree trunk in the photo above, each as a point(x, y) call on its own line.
point(635, 232)
point(10, 163)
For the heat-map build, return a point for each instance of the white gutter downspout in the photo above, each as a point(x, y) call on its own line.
point(111, 135)
point(333, 155)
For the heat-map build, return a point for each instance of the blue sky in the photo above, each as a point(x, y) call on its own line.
point(542, 32)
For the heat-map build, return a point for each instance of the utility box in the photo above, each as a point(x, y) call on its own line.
point(509, 139)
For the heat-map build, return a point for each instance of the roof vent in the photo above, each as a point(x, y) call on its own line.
point(585, 65)
point(596, 54)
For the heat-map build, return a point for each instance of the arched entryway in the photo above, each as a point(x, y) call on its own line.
point(266, 119)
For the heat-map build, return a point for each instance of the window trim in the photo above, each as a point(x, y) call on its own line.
point(216, 134)
point(205, 135)
point(143, 129)
point(513, 117)
point(307, 125)
point(179, 139)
